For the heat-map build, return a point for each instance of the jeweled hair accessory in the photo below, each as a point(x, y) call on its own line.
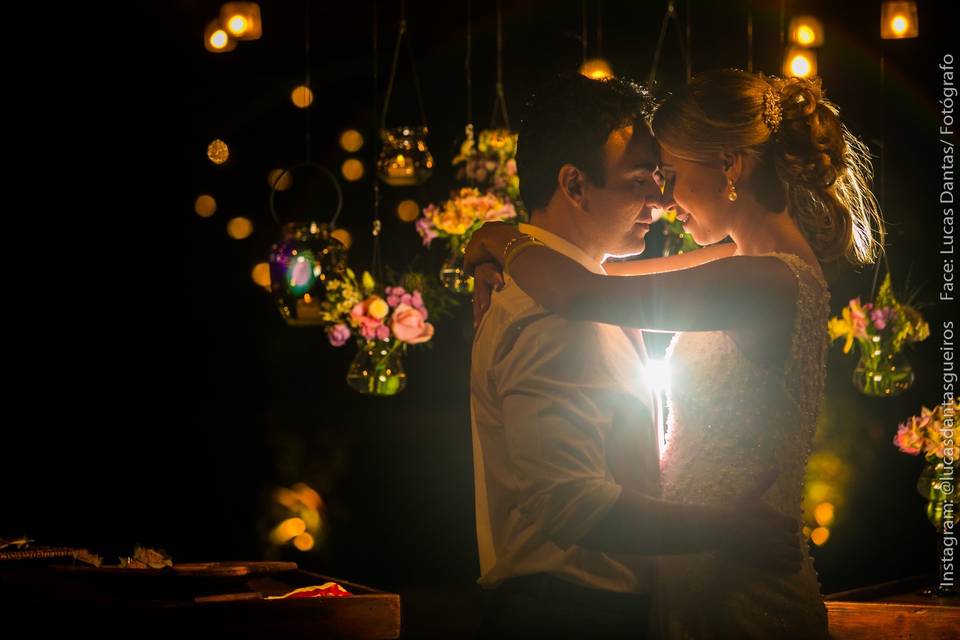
point(772, 110)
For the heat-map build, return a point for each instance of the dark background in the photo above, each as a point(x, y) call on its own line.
point(156, 396)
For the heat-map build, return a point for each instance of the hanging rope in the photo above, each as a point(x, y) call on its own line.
point(393, 70)
point(376, 262)
point(583, 33)
point(749, 37)
point(306, 61)
point(467, 71)
point(599, 28)
point(500, 103)
point(668, 17)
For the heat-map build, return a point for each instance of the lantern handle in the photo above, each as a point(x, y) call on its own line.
point(336, 185)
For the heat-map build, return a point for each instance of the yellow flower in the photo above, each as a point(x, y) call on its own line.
point(368, 282)
point(378, 308)
point(840, 327)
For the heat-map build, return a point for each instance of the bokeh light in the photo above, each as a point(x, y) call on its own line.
point(239, 228)
point(408, 210)
point(352, 169)
point(218, 152)
point(205, 205)
point(351, 141)
point(302, 96)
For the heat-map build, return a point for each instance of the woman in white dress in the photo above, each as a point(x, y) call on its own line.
point(768, 163)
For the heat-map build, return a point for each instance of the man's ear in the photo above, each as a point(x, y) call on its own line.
point(732, 165)
point(572, 185)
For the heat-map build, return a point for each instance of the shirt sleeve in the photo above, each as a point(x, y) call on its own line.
point(559, 400)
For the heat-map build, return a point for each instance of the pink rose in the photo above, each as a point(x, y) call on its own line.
point(383, 332)
point(339, 335)
point(368, 325)
point(409, 325)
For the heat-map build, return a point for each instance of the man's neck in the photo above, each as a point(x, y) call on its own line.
point(564, 226)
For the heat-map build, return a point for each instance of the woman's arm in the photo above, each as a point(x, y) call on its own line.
point(671, 263)
point(732, 293)
point(740, 292)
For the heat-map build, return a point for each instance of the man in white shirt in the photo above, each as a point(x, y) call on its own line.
point(566, 461)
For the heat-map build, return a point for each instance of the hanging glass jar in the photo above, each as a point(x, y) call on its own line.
point(881, 371)
point(452, 274)
point(404, 158)
point(306, 257)
point(377, 369)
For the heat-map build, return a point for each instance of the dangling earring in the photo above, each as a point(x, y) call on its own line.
point(732, 195)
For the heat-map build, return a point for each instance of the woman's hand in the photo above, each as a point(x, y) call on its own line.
point(487, 244)
point(486, 279)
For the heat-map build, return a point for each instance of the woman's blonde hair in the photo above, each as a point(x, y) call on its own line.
point(807, 160)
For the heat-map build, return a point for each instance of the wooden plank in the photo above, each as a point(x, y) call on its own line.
point(873, 620)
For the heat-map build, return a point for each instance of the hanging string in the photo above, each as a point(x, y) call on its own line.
point(689, 49)
point(881, 174)
point(668, 17)
point(393, 70)
point(501, 101)
point(376, 262)
point(306, 57)
point(749, 37)
point(599, 28)
point(467, 69)
point(583, 34)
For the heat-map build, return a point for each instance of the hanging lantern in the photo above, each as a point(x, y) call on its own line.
point(800, 63)
point(301, 264)
point(242, 20)
point(404, 159)
point(596, 69)
point(898, 20)
point(216, 39)
point(308, 254)
point(806, 31)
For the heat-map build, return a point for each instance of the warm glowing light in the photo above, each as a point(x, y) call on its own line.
point(807, 31)
point(351, 140)
point(239, 228)
point(820, 535)
point(343, 236)
point(279, 179)
point(817, 492)
point(288, 530)
point(242, 20)
point(352, 169)
point(238, 25)
point(216, 40)
point(899, 20)
point(261, 274)
point(303, 542)
point(219, 39)
point(800, 63)
point(302, 96)
point(596, 69)
point(218, 152)
point(308, 495)
point(205, 206)
point(408, 210)
point(823, 514)
point(658, 374)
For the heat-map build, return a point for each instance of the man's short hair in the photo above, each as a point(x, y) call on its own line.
point(567, 121)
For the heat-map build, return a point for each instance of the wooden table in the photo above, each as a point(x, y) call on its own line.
point(58, 599)
point(896, 610)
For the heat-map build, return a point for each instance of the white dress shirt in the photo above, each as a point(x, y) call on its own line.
point(561, 420)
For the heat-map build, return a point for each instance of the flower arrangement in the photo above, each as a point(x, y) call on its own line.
point(881, 329)
point(383, 322)
point(493, 194)
point(931, 433)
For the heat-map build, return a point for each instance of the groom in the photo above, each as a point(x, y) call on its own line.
point(566, 463)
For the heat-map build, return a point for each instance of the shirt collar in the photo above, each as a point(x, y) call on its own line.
point(563, 246)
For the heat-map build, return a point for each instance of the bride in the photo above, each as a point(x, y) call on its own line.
point(767, 162)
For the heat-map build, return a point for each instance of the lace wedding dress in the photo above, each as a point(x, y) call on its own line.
point(731, 421)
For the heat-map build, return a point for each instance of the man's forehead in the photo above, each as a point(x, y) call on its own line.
point(631, 147)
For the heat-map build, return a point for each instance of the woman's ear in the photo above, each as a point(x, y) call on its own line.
point(572, 182)
point(732, 165)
